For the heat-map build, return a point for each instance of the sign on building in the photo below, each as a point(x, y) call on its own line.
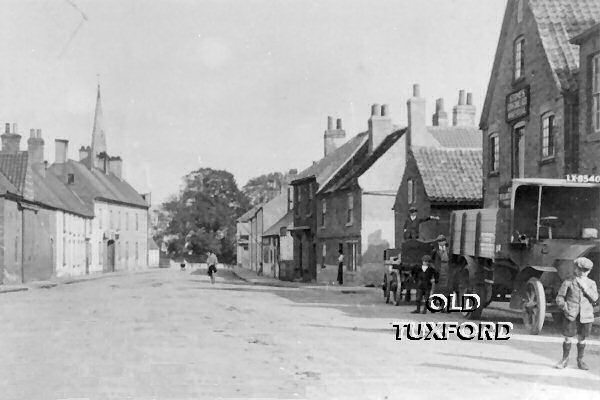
point(517, 104)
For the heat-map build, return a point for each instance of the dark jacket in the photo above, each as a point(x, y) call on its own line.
point(423, 278)
point(411, 227)
point(439, 257)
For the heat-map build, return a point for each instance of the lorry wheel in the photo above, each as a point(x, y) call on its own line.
point(464, 287)
point(534, 309)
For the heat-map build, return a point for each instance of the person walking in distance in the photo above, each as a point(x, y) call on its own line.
point(576, 298)
point(425, 277)
point(340, 275)
point(212, 261)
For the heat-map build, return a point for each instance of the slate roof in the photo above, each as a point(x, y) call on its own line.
point(450, 175)
point(92, 184)
point(245, 217)
point(457, 136)
point(326, 167)
point(558, 21)
point(285, 221)
point(51, 191)
point(14, 167)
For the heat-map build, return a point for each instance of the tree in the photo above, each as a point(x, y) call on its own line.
point(203, 216)
point(264, 187)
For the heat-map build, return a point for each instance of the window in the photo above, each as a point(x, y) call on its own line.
point(137, 251)
point(547, 136)
point(596, 93)
point(290, 196)
point(111, 219)
point(100, 218)
point(126, 252)
point(298, 196)
point(519, 11)
point(494, 152)
point(350, 215)
point(519, 58)
point(16, 248)
point(70, 179)
point(64, 252)
point(100, 253)
point(412, 195)
point(309, 195)
point(137, 222)
point(324, 252)
point(126, 221)
point(119, 221)
point(323, 211)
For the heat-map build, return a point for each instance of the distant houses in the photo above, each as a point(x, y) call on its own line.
point(71, 217)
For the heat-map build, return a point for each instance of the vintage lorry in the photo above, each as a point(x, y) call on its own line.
point(524, 249)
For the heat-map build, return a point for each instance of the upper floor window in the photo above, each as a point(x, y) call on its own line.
point(308, 202)
point(596, 92)
point(412, 195)
point(298, 194)
point(110, 221)
point(519, 58)
point(323, 211)
point(494, 152)
point(548, 135)
point(100, 218)
point(350, 213)
point(126, 221)
point(137, 222)
point(290, 200)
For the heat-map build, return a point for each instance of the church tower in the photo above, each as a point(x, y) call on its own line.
point(98, 134)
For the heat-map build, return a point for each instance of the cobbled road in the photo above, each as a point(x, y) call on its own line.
point(167, 334)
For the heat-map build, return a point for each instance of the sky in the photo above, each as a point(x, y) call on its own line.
point(242, 85)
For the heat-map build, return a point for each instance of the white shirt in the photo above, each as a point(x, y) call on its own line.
point(341, 258)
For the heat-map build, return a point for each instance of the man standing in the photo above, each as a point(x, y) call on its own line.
point(441, 257)
point(413, 223)
point(212, 262)
point(340, 275)
point(425, 276)
point(576, 298)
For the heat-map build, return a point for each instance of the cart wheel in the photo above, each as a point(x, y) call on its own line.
point(398, 291)
point(386, 291)
point(534, 310)
point(464, 287)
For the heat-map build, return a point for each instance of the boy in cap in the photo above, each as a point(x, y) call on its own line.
point(425, 276)
point(413, 223)
point(576, 297)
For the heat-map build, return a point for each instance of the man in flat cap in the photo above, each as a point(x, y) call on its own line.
point(576, 298)
point(425, 276)
point(413, 222)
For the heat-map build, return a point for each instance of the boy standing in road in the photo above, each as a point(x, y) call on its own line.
point(576, 297)
point(212, 261)
point(425, 276)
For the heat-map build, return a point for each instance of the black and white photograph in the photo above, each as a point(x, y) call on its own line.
point(299, 199)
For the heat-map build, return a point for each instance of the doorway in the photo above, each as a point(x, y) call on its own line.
point(519, 152)
point(110, 256)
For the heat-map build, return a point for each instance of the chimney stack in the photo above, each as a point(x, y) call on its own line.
point(61, 148)
point(35, 147)
point(416, 117)
point(11, 141)
point(440, 118)
point(380, 125)
point(463, 114)
point(333, 138)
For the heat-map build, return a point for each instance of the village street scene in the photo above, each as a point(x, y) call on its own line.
point(246, 199)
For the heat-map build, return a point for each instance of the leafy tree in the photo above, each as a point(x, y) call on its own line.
point(203, 216)
point(264, 187)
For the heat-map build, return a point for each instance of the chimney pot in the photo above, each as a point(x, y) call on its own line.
point(469, 99)
point(416, 90)
point(32, 133)
point(385, 110)
point(329, 123)
point(15, 130)
point(461, 97)
point(38, 133)
point(439, 105)
point(338, 123)
point(376, 110)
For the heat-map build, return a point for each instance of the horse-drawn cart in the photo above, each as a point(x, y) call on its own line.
point(523, 250)
point(399, 264)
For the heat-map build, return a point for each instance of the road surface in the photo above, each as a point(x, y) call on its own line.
point(166, 334)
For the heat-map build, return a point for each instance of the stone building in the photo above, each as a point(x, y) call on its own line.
point(537, 95)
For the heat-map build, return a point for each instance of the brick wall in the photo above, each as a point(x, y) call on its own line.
point(589, 145)
point(544, 97)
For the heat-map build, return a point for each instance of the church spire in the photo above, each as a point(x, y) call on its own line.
point(98, 135)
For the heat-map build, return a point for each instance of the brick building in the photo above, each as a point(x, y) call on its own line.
point(443, 165)
point(537, 95)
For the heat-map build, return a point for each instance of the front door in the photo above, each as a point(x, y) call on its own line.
point(519, 155)
point(110, 256)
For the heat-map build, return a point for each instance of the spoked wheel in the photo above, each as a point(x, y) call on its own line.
point(386, 291)
point(465, 287)
point(534, 309)
point(398, 291)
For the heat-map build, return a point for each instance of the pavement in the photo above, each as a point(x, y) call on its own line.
point(170, 334)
